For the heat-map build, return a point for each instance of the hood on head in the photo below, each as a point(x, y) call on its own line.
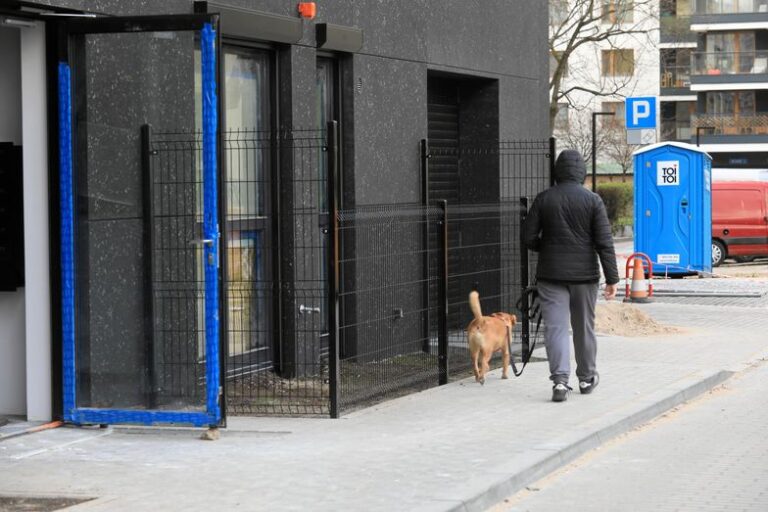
point(570, 166)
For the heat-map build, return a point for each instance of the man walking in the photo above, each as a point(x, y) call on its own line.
point(569, 228)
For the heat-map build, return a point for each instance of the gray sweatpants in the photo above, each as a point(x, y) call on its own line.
point(559, 303)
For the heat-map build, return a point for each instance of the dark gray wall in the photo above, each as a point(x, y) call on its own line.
point(403, 39)
point(385, 104)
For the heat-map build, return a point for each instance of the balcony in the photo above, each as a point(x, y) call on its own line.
point(675, 80)
point(676, 130)
point(721, 70)
point(720, 128)
point(675, 29)
point(753, 13)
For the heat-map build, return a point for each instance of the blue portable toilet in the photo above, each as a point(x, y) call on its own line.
point(673, 207)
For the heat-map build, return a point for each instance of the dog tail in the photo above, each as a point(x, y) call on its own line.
point(474, 304)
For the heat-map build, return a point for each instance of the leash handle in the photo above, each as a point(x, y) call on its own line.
point(529, 305)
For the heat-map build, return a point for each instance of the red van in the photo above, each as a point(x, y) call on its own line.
point(739, 220)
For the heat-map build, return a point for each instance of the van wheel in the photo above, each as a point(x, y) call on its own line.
point(718, 253)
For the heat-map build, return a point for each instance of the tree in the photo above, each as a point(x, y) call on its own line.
point(578, 136)
point(616, 148)
point(592, 25)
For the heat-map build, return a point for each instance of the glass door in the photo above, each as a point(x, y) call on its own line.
point(249, 146)
point(138, 125)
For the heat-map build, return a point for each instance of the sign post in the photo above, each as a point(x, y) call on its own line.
point(641, 120)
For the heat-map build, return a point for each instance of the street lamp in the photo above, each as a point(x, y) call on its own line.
point(698, 131)
point(594, 155)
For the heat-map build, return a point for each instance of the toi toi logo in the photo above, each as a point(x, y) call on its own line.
point(667, 173)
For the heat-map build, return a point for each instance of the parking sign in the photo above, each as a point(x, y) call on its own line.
point(640, 112)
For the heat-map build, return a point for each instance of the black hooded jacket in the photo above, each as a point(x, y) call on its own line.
point(568, 227)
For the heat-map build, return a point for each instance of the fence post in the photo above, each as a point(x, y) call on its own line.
point(333, 268)
point(552, 154)
point(426, 346)
point(148, 244)
point(442, 335)
point(525, 331)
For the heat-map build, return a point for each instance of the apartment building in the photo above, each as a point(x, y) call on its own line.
point(677, 103)
point(715, 92)
point(602, 74)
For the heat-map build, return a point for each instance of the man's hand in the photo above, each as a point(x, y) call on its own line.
point(610, 291)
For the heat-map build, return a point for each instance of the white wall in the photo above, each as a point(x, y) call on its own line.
point(36, 250)
point(12, 349)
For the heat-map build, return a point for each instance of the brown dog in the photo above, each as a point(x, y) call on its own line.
point(486, 335)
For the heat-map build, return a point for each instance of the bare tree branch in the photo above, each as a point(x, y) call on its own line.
point(577, 24)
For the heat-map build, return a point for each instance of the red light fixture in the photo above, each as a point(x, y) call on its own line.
point(307, 10)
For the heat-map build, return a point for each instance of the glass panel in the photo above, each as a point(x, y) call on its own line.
point(326, 112)
point(719, 103)
point(248, 147)
point(139, 327)
point(747, 103)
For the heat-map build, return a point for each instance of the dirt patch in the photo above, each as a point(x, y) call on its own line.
point(31, 504)
point(755, 270)
point(621, 319)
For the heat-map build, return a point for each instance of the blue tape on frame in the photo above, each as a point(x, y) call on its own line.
point(210, 218)
point(66, 194)
point(211, 231)
point(115, 416)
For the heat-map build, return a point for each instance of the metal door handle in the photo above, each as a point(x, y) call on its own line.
point(201, 241)
point(306, 309)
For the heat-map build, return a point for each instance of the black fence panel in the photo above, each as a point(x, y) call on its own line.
point(174, 289)
point(276, 276)
point(400, 273)
point(484, 251)
point(387, 347)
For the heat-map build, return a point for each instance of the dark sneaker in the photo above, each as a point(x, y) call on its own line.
point(587, 386)
point(560, 392)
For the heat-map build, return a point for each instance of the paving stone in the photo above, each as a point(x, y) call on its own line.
point(448, 448)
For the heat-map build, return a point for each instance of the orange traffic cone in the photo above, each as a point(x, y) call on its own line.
point(639, 289)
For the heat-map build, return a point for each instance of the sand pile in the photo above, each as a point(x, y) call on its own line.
point(621, 319)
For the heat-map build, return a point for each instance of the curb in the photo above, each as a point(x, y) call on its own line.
point(542, 460)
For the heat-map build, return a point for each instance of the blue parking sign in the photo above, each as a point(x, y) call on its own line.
point(640, 112)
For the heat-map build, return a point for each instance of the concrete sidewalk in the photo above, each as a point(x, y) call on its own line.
point(458, 447)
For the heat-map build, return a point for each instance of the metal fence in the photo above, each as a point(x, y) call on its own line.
point(174, 291)
point(276, 273)
point(325, 310)
point(483, 249)
point(405, 271)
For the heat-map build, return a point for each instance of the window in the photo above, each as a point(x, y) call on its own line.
point(558, 12)
point(730, 6)
point(561, 118)
point(553, 58)
point(617, 107)
point(731, 41)
point(617, 11)
point(676, 7)
point(618, 62)
point(731, 103)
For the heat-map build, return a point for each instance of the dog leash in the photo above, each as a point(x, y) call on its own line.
point(534, 311)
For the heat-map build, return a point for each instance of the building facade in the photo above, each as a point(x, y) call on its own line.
point(602, 73)
point(715, 80)
point(389, 73)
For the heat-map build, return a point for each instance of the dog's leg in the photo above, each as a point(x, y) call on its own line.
point(475, 369)
point(505, 362)
point(486, 363)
